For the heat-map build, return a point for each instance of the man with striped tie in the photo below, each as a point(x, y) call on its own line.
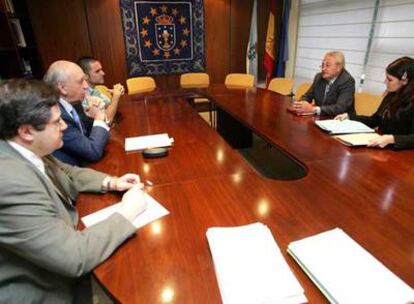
point(79, 145)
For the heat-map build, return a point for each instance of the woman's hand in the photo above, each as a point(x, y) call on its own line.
point(342, 116)
point(381, 141)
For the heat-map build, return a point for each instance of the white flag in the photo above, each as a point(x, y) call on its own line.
point(251, 55)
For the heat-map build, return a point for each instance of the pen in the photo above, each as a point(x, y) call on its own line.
point(147, 184)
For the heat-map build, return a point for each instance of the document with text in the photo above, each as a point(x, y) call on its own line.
point(346, 273)
point(250, 267)
point(153, 212)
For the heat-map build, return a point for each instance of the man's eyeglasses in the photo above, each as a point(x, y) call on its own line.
point(326, 65)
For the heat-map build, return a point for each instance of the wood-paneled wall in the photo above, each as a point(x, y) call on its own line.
point(84, 27)
point(61, 29)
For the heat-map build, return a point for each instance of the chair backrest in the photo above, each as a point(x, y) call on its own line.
point(104, 90)
point(140, 84)
point(194, 80)
point(281, 85)
point(366, 103)
point(302, 89)
point(239, 80)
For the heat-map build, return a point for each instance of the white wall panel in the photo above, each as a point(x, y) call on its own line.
point(339, 30)
point(381, 60)
point(334, 6)
point(396, 13)
point(347, 17)
point(337, 43)
point(398, 46)
point(394, 29)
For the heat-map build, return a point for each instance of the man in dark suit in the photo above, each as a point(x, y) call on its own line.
point(79, 144)
point(42, 255)
point(332, 89)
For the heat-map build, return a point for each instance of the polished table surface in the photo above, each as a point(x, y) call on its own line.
point(205, 183)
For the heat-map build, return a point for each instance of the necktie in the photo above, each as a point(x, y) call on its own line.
point(76, 119)
point(57, 185)
point(327, 88)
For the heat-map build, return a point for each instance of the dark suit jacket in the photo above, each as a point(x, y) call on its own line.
point(41, 252)
point(340, 98)
point(401, 125)
point(79, 148)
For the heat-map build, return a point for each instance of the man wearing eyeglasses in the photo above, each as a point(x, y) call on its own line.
point(43, 258)
point(332, 89)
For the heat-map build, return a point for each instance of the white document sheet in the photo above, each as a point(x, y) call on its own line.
point(153, 212)
point(335, 126)
point(148, 141)
point(346, 273)
point(250, 267)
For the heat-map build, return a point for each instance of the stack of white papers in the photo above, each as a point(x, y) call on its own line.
point(250, 267)
point(153, 212)
point(148, 141)
point(335, 126)
point(347, 273)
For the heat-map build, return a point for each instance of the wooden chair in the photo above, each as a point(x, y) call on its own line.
point(239, 80)
point(366, 103)
point(281, 85)
point(302, 89)
point(104, 90)
point(140, 84)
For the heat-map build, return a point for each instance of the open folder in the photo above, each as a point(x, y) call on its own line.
point(250, 267)
point(346, 273)
point(360, 139)
point(148, 141)
point(336, 126)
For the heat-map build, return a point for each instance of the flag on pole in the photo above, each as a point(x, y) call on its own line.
point(283, 53)
point(251, 54)
point(269, 55)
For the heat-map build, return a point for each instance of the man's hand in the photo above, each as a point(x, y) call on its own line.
point(96, 108)
point(118, 90)
point(303, 107)
point(126, 182)
point(133, 203)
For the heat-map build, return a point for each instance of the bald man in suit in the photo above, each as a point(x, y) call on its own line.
point(81, 145)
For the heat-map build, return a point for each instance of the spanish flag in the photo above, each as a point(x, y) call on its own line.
point(269, 55)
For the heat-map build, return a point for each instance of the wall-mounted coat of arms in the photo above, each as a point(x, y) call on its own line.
point(163, 37)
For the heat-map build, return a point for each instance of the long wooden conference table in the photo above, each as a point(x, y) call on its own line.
point(205, 183)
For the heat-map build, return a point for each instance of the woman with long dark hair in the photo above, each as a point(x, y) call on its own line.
point(395, 116)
